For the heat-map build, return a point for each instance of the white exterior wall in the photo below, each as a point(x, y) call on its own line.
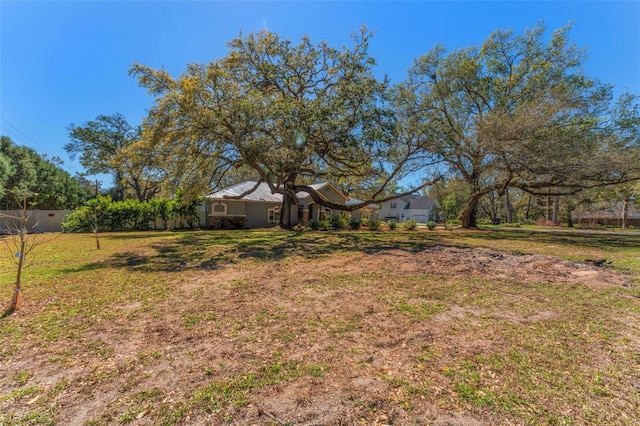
point(420, 216)
point(401, 214)
point(38, 220)
point(386, 210)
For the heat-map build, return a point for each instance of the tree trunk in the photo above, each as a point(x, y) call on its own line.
point(288, 200)
point(469, 215)
point(140, 194)
point(507, 206)
point(569, 218)
point(285, 213)
point(528, 211)
point(625, 213)
point(15, 299)
point(120, 189)
point(556, 210)
point(95, 228)
point(548, 212)
point(95, 234)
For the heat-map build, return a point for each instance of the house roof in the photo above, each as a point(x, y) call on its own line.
point(263, 193)
point(603, 215)
point(612, 211)
point(416, 202)
point(353, 201)
point(319, 186)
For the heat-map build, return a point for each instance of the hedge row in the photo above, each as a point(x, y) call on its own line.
point(104, 214)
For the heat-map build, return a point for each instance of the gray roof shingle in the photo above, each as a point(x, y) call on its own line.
point(261, 194)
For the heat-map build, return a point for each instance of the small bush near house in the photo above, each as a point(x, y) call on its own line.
point(325, 224)
point(392, 224)
point(431, 225)
point(228, 222)
point(314, 225)
point(374, 224)
point(411, 225)
point(454, 222)
point(355, 224)
point(365, 221)
point(340, 221)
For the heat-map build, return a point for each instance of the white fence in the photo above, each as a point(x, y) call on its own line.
point(38, 220)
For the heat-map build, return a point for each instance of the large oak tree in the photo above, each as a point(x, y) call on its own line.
point(292, 114)
point(106, 145)
point(517, 112)
point(23, 172)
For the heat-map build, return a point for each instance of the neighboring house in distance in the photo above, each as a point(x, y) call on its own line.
point(610, 215)
point(261, 208)
point(417, 207)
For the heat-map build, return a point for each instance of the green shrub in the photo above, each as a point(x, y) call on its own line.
point(392, 224)
point(431, 225)
point(410, 225)
point(454, 222)
point(228, 222)
point(355, 224)
point(132, 215)
point(314, 225)
point(326, 224)
point(374, 224)
point(340, 221)
point(365, 221)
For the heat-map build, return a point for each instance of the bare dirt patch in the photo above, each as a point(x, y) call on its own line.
point(488, 263)
point(388, 337)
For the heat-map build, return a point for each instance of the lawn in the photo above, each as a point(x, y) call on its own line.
point(273, 327)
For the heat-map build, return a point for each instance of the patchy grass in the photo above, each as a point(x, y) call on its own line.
point(275, 327)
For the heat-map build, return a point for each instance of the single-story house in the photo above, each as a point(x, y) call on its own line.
point(606, 216)
point(261, 208)
point(417, 207)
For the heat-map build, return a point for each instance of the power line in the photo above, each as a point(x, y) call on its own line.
point(28, 141)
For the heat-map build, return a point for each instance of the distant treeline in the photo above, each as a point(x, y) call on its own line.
point(24, 172)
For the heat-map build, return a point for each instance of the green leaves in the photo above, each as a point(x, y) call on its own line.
point(109, 144)
point(25, 172)
point(516, 112)
point(290, 113)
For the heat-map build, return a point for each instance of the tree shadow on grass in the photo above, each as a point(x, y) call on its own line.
point(210, 250)
point(214, 249)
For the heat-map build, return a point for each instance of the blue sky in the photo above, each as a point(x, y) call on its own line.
point(64, 62)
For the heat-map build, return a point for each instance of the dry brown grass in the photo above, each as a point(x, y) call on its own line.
point(271, 327)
